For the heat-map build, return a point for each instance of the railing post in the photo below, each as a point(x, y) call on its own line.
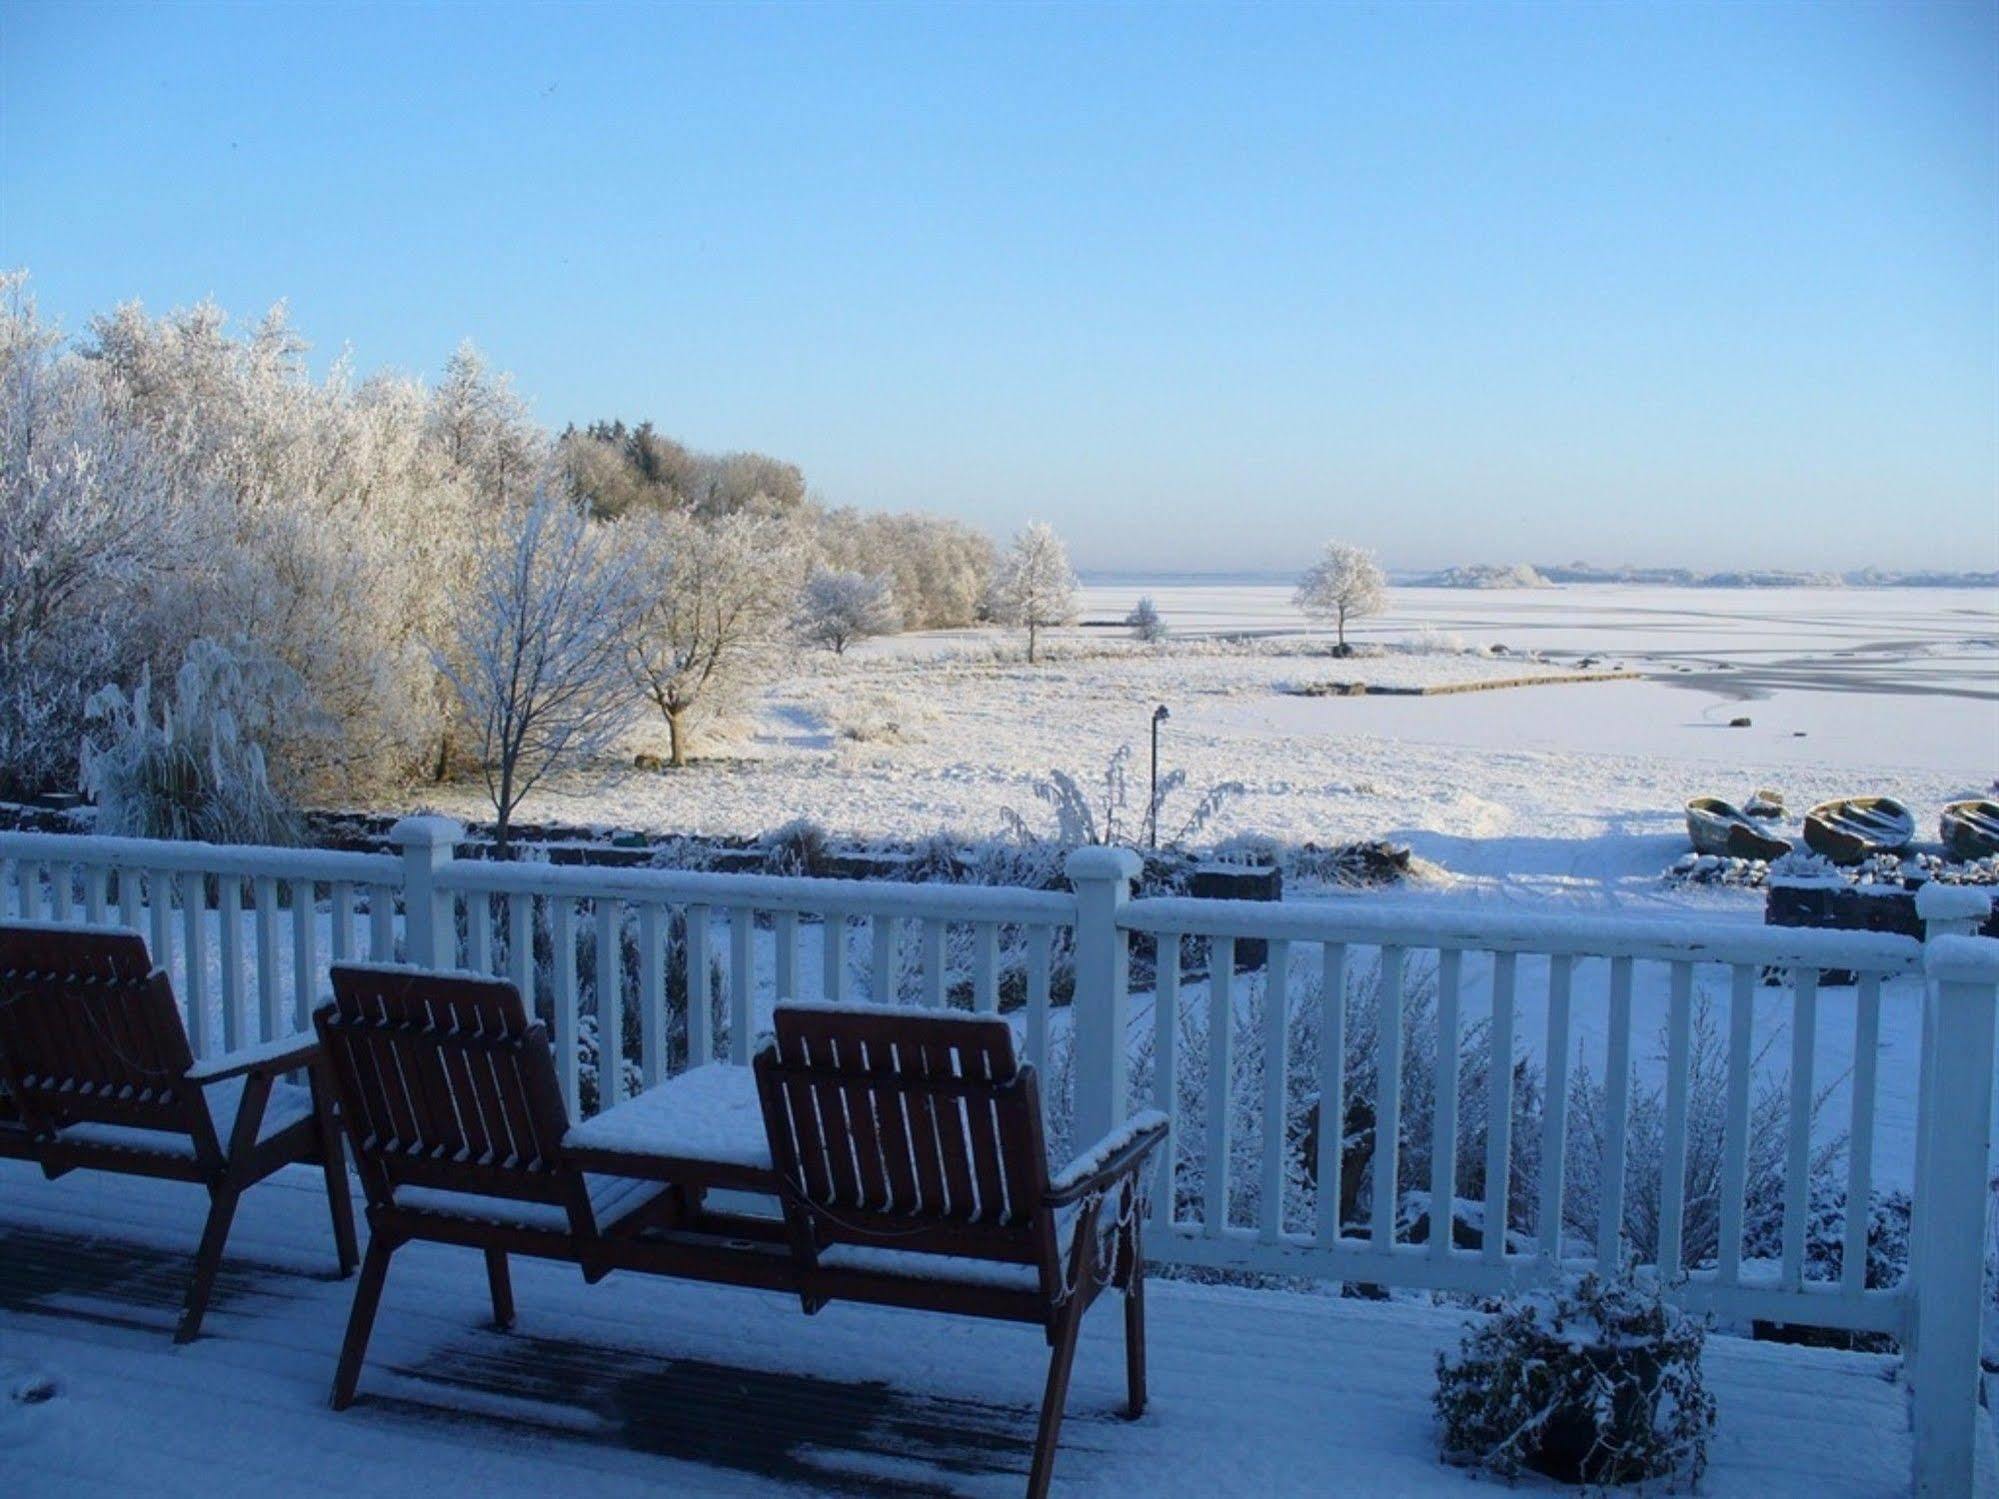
point(1952, 1155)
point(1099, 1014)
point(430, 936)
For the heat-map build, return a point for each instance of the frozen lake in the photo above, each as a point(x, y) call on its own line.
point(1843, 676)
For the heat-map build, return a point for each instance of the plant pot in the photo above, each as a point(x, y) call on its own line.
point(1574, 1447)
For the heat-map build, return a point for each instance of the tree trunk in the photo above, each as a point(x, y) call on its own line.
point(1342, 617)
point(678, 738)
point(1030, 642)
point(503, 807)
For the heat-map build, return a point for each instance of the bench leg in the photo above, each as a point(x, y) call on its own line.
point(502, 1287)
point(361, 1321)
point(333, 1161)
point(207, 1260)
point(1134, 1345)
point(1061, 1360)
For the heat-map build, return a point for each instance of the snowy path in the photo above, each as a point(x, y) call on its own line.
point(643, 1386)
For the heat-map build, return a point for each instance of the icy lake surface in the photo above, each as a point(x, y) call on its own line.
point(1841, 676)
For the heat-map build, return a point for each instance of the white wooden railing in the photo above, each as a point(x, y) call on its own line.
point(1253, 1179)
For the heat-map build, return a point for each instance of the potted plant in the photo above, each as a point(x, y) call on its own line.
point(1596, 1384)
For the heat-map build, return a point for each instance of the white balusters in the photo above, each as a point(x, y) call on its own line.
point(1040, 966)
point(1444, 1136)
point(479, 931)
point(230, 905)
point(784, 927)
point(1673, 1182)
point(1554, 1123)
point(833, 957)
point(520, 946)
point(934, 975)
point(305, 956)
point(1276, 1012)
point(1735, 1125)
point(93, 893)
point(562, 980)
point(270, 1003)
point(1166, 1068)
point(653, 920)
point(194, 948)
point(1387, 1100)
point(1860, 1141)
point(742, 981)
point(985, 967)
point(700, 997)
point(341, 935)
point(1332, 1086)
point(881, 971)
point(1798, 1166)
point(1499, 1109)
point(1617, 1089)
point(382, 924)
point(610, 1005)
point(1221, 1018)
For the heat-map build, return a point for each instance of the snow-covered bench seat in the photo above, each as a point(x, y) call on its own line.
point(96, 1073)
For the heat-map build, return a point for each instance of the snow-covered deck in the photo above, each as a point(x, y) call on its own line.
point(647, 1386)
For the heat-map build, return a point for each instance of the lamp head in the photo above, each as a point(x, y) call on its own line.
point(1160, 715)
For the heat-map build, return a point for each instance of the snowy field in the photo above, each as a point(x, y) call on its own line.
point(1571, 792)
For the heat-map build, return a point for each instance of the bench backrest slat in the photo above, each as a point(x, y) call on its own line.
point(90, 1033)
point(441, 1073)
point(890, 1122)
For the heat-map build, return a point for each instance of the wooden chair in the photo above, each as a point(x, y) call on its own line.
point(96, 1062)
point(456, 1121)
point(911, 1166)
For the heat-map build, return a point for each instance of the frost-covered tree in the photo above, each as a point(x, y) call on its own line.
point(86, 517)
point(1345, 583)
point(839, 607)
point(941, 570)
point(539, 654)
point(1034, 587)
point(1144, 621)
point(484, 430)
point(718, 601)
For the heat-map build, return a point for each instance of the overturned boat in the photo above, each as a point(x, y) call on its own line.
point(1725, 830)
point(1853, 828)
point(1970, 829)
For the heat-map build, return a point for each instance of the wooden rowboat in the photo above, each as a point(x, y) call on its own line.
point(1853, 828)
point(1725, 830)
point(1970, 829)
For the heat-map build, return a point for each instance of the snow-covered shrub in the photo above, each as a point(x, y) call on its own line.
point(837, 607)
point(799, 847)
point(193, 765)
point(1707, 1116)
point(1144, 622)
point(1598, 1384)
point(1096, 818)
point(876, 718)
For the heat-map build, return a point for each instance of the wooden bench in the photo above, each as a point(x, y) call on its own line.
point(899, 1151)
point(95, 1061)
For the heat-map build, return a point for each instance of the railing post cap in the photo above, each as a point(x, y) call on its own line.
point(1936, 902)
point(1099, 862)
point(426, 831)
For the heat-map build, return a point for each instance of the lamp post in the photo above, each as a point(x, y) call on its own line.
point(1159, 716)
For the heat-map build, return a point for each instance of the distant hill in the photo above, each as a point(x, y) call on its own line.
point(1544, 574)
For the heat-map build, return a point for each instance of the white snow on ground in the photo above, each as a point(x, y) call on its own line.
point(1253, 1393)
point(1571, 792)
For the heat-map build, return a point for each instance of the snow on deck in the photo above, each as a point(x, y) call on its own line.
point(640, 1385)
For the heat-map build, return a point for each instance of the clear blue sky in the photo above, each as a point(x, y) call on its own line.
point(1201, 284)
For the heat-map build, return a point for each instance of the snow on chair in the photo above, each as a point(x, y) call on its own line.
point(912, 1169)
point(95, 1059)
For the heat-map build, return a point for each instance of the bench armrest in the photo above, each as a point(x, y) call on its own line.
point(1118, 1154)
point(285, 1054)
